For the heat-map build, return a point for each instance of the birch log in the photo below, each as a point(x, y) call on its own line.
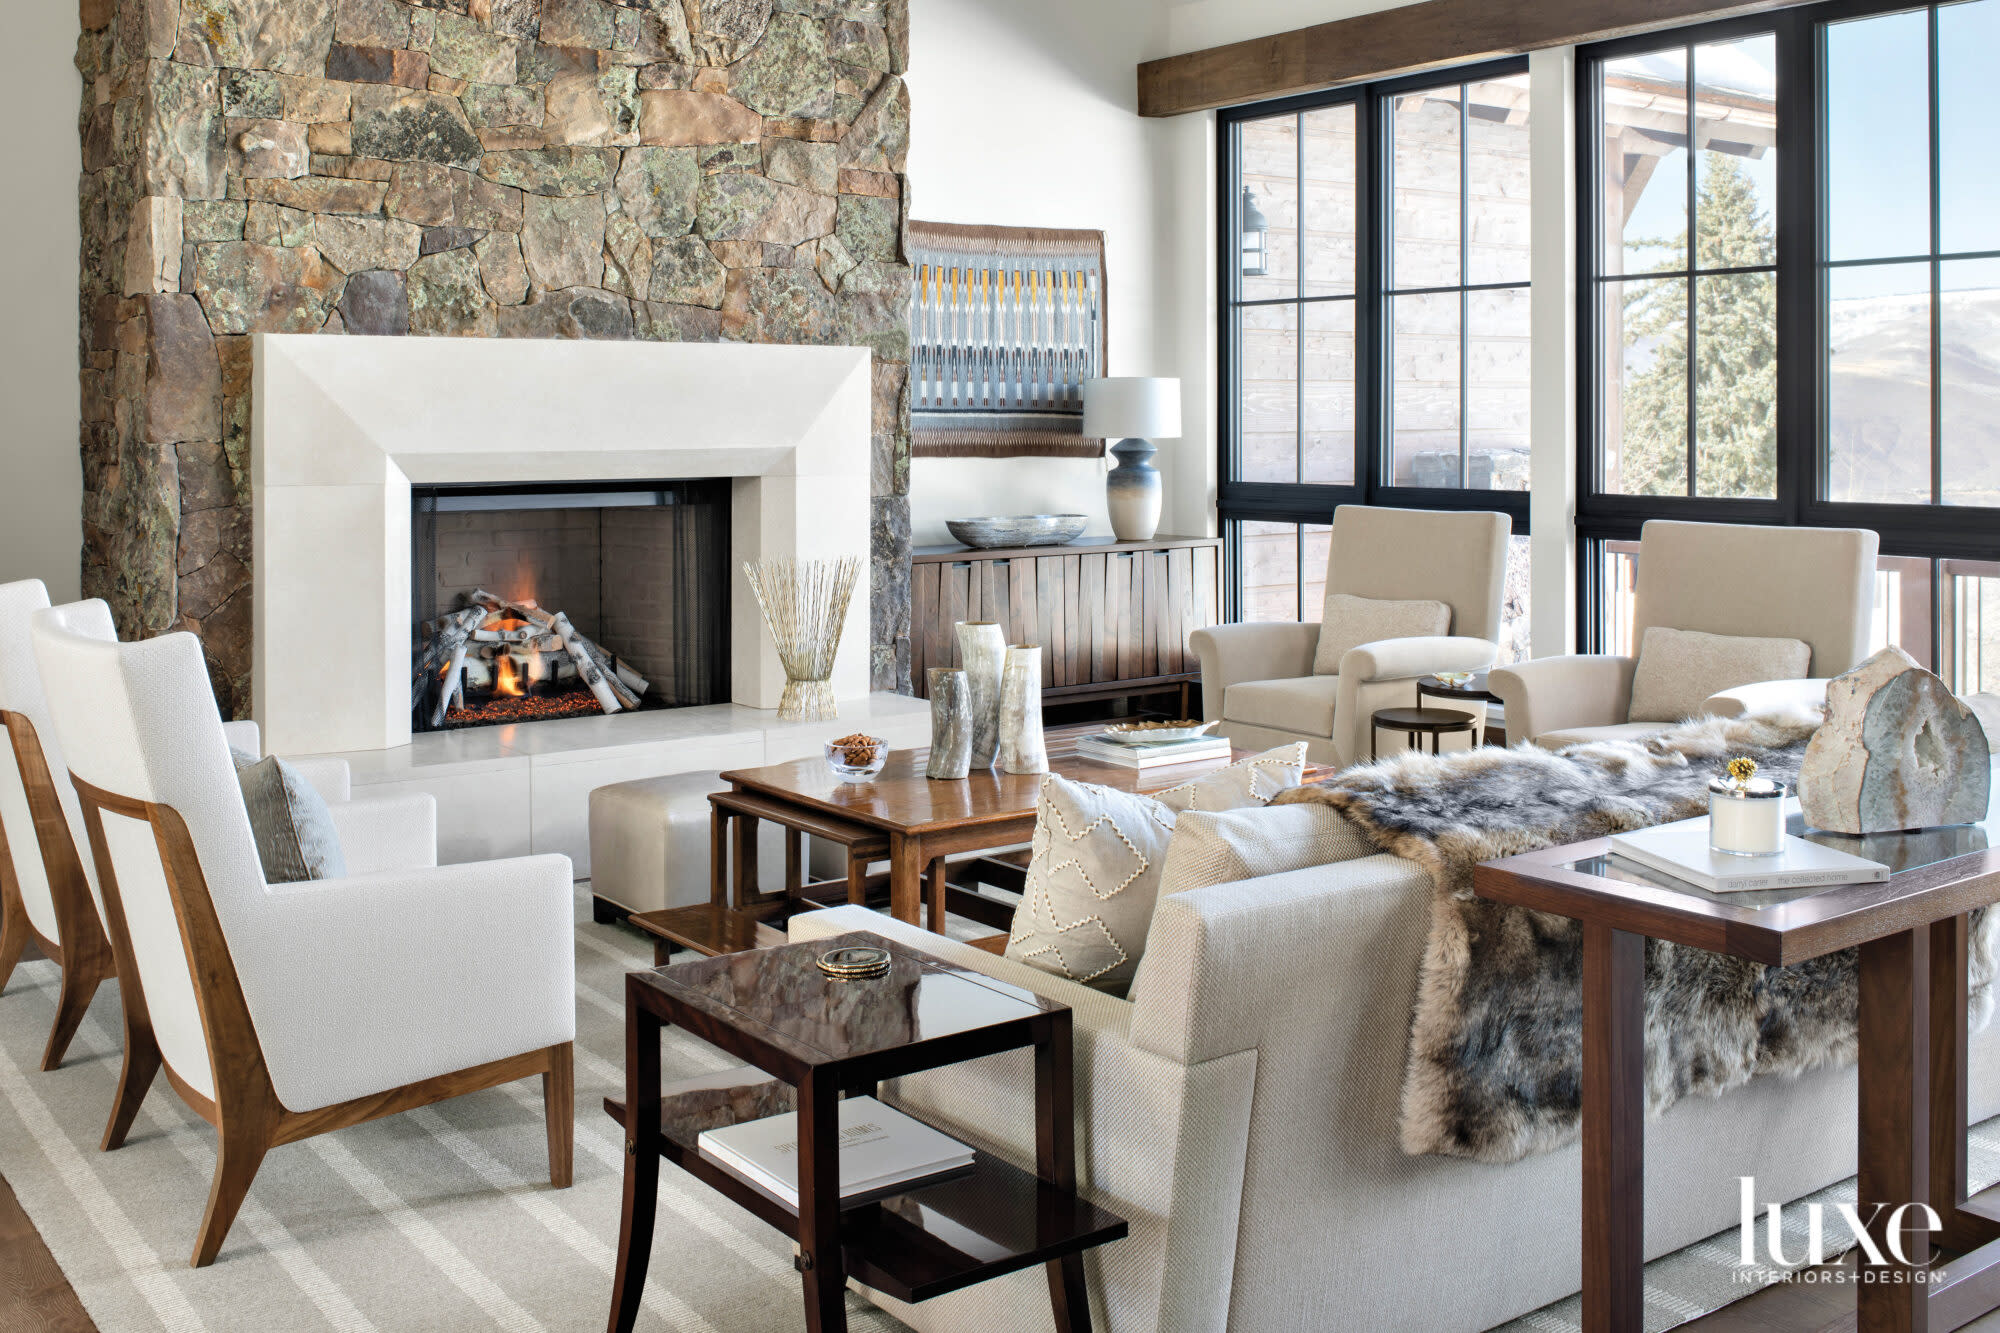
point(586, 665)
point(447, 646)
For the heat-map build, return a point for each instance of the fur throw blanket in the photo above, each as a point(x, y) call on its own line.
point(1496, 1039)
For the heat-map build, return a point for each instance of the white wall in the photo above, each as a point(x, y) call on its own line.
point(1023, 114)
point(41, 498)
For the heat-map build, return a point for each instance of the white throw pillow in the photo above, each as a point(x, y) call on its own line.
point(1679, 668)
point(1094, 865)
point(1224, 846)
point(1349, 621)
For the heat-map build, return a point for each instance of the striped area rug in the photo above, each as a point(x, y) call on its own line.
point(439, 1220)
point(442, 1220)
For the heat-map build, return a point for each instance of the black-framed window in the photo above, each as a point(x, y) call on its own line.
point(1374, 268)
point(1826, 351)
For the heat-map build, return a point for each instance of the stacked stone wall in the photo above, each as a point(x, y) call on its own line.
point(674, 170)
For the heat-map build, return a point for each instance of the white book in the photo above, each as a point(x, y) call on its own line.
point(880, 1148)
point(1152, 756)
point(1681, 850)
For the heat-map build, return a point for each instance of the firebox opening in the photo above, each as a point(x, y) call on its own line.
point(566, 600)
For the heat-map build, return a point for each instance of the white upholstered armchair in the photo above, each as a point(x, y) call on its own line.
point(1271, 684)
point(48, 882)
point(283, 1011)
point(1814, 586)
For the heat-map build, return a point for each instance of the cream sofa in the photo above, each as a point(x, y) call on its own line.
point(1812, 584)
point(1241, 1113)
point(1258, 682)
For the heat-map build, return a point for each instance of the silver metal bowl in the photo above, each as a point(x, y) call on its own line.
point(987, 534)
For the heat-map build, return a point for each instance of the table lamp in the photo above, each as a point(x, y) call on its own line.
point(1134, 410)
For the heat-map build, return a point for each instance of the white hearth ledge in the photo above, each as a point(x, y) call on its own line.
point(344, 426)
point(525, 788)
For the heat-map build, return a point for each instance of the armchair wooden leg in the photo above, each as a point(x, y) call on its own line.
point(239, 1151)
point(559, 1106)
point(13, 934)
point(142, 1065)
point(80, 980)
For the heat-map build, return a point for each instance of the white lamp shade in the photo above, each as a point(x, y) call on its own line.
point(1132, 407)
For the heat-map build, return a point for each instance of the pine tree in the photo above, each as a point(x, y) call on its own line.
point(1735, 354)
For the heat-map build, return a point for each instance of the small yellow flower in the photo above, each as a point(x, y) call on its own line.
point(1742, 770)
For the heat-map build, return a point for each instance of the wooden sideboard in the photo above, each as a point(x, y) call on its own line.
point(1112, 617)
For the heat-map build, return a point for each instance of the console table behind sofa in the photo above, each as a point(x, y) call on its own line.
point(1112, 617)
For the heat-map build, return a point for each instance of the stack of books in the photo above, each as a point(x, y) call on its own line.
point(1135, 752)
point(1681, 850)
point(880, 1149)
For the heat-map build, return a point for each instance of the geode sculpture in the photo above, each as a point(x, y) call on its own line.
point(1897, 751)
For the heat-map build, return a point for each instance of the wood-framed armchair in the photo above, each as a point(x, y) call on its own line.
point(279, 1012)
point(45, 889)
point(1259, 680)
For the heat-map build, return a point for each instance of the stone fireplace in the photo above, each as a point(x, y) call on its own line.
point(666, 173)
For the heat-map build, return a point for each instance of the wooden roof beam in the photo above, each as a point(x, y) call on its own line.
point(1433, 34)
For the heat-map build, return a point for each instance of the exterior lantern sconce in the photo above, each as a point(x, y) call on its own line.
point(1256, 238)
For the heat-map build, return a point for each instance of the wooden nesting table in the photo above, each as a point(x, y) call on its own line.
point(899, 816)
point(1912, 934)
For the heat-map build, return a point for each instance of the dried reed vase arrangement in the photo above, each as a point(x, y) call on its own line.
point(805, 607)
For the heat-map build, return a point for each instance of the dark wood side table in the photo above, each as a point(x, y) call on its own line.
point(1475, 688)
point(1417, 723)
point(1912, 935)
point(812, 1040)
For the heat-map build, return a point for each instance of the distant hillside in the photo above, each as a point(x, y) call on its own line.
point(1880, 397)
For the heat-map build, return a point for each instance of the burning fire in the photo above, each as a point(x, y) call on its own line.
point(506, 680)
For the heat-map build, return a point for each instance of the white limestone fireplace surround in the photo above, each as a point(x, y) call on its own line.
point(344, 426)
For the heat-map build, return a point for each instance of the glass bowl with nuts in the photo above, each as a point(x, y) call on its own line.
point(856, 758)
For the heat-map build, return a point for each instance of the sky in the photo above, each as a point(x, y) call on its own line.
point(1878, 118)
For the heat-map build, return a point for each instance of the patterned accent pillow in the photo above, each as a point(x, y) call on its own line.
point(1094, 866)
point(1246, 782)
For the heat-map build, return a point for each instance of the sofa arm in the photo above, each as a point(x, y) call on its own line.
point(1557, 693)
point(1768, 696)
point(1244, 966)
point(381, 833)
point(244, 736)
point(1403, 659)
point(1280, 650)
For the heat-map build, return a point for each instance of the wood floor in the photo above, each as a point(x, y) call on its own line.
point(34, 1295)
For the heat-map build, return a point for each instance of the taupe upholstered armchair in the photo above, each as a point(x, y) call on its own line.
point(1813, 585)
point(1259, 681)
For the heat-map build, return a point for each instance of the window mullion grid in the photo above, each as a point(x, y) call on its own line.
point(1464, 276)
point(1298, 293)
point(1693, 265)
point(1936, 271)
point(1379, 265)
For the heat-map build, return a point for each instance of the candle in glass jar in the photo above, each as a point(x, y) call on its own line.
point(1746, 819)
